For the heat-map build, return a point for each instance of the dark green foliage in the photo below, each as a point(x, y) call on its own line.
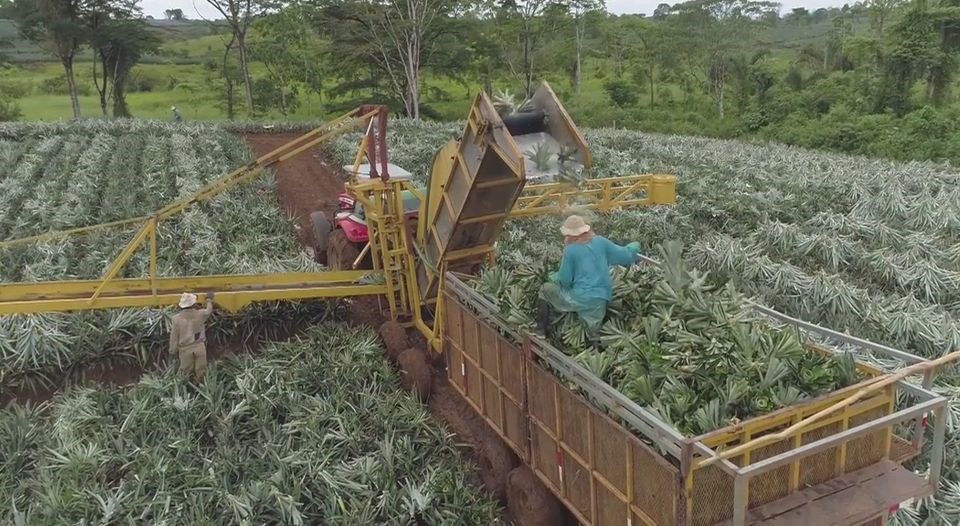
point(621, 92)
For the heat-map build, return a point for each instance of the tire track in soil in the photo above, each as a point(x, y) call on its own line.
point(309, 182)
point(305, 183)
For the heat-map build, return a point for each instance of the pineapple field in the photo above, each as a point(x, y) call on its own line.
point(308, 432)
point(313, 430)
point(55, 177)
point(858, 245)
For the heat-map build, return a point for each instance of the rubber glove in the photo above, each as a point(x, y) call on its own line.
point(554, 277)
point(634, 245)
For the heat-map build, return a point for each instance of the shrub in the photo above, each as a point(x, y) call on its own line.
point(621, 92)
point(9, 110)
point(58, 86)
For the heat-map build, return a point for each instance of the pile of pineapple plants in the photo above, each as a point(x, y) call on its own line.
point(690, 351)
point(860, 245)
point(308, 432)
point(59, 176)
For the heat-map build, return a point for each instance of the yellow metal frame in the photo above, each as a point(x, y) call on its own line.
point(233, 292)
point(602, 195)
point(742, 433)
point(395, 248)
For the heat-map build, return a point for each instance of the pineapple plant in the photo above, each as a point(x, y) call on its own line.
point(678, 344)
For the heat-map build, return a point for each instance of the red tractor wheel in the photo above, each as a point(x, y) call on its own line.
point(341, 253)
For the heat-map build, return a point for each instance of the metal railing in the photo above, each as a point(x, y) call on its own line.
point(673, 444)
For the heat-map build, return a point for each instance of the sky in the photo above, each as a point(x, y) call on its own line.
point(199, 8)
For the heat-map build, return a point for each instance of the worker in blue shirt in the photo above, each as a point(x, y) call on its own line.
point(583, 284)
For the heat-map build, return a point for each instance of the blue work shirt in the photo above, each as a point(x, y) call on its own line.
point(584, 270)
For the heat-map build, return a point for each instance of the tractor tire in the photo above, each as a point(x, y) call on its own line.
point(341, 253)
point(496, 462)
point(416, 375)
point(321, 236)
point(530, 502)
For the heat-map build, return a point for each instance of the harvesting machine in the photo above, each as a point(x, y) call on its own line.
point(833, 460)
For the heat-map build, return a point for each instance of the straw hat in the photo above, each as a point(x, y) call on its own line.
point(187, 300)
point(574, 226)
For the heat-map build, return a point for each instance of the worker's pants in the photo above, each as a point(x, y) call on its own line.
point(590, 310)
point(193, 360)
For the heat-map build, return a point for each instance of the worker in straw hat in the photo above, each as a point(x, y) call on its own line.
point(583, 284)
point(188, 335)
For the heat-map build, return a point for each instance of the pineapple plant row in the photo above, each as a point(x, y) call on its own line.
point(62, 176)
point(307, 432)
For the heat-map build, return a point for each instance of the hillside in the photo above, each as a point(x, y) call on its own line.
point(179, 34)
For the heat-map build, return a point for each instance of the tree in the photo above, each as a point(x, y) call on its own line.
point(720, 29)
point(524, 20)
point(8, 9)
point(925, 42)
point(288, 46)
point(174, 14)
point(620, 92)
point(56, 25)
point(100, 20)
point(397, 39)
point(239, 15)
point(120, 45)
point(9, 109)
point(580, 9)
point(799, 14)
point(652, 55)
point(662, 11)
point(880, 11)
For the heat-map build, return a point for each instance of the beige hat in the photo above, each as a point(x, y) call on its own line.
point(187, 300)
point(574, 226)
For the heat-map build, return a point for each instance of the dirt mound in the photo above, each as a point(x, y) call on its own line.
point(366, 310)
point(496, 461)
point(394, 338)
point(416, 375)
point(530, 502)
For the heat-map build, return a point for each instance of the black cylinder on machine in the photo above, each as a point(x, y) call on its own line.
point(526, 122)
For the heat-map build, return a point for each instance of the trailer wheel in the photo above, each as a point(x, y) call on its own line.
point(341, 253)
point(496, 462)
point(394, 338)
point(416, 375)
point(530, 502)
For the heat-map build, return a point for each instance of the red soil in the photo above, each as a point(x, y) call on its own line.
point(306, 182)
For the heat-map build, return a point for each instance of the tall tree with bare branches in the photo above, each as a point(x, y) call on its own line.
point(397, 37)
point(239, 15)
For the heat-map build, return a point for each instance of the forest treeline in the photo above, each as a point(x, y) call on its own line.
point(877, 77)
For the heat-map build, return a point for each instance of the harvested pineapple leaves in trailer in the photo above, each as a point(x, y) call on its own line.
point(310, 432)
point(675, 343)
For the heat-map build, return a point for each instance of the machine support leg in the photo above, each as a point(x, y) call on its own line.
point(153, 255)
point(919, 424)
point(741, 489)
point(936, 456)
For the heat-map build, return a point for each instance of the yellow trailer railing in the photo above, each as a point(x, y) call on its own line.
point(611, 461)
